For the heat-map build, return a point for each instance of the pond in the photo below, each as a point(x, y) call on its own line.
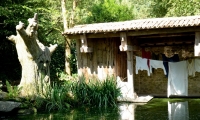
point(156, 109)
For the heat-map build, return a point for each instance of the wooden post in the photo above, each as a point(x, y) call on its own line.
point(129, 50)
point(197, 44)
point(84, 46)
point(130, 71)
point(125, 44)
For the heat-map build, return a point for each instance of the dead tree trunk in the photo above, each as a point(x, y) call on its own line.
point(34, 58)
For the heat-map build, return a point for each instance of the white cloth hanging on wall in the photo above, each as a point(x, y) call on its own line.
point(157, 64)
point(178, 79)
point(141, 64)
point(178, 111)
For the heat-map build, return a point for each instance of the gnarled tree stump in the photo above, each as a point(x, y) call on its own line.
point(34, 58)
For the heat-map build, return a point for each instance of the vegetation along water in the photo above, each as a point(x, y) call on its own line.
point(156, 109)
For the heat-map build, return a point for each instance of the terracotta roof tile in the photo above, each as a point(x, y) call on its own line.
point(154, 23)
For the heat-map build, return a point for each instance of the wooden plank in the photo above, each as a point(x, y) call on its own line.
point(100, 59)
point(89, 64)
point(104, 53)
point(94, 60)
point(84, 59)
point(111, 57)
point(89, 60)
point(79, 58)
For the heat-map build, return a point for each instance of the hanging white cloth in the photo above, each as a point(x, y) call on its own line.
point(178, 111)
point(157, 64)
point(191, 67)
point(178, 79)
point(141, 64)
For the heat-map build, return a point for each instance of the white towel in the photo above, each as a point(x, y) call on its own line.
point(178, 78)
point(157, 64)
point(141, 64)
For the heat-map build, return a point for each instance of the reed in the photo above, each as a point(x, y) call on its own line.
point(96, 92)
point(81, 93)
point(59, 98)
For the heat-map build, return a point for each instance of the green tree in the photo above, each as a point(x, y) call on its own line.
point(183, 8)
point(170, 8)
point(109, 11)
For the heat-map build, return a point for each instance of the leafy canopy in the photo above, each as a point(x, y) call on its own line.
point(109, 11)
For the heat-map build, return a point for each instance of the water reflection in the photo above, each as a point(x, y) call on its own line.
point(156, 109)
point(127, 111)
point(153, 111)
point(178, 111)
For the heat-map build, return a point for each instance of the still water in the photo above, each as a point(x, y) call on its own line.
point(156, 109)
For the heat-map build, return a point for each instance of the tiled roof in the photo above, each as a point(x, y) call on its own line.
point(154, 23)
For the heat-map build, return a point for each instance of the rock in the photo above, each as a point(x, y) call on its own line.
point(27, 111)
point(7, 106)
point(3, 95)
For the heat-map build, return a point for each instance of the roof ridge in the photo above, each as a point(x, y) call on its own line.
point(149, 23)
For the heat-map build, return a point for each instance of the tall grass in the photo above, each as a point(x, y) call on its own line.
point(59, 98)
point(96, 92)
point(78, 92)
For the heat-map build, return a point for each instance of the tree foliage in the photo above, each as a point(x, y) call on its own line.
point(170, 8)
point(109, 11)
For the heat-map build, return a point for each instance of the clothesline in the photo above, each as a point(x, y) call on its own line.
point(197, 57)
point(142, 64)
point(177, 72)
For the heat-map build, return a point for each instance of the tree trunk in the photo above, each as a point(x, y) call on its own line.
point(34, 58)
point(71, 22)
point(68, 42)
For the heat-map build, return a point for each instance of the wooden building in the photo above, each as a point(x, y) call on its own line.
point(105, 49)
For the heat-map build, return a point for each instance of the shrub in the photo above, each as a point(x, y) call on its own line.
point(13, 91)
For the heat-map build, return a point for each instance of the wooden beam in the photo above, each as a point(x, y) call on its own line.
point(124, 43)
point(168, 35)
point(84, 46)
point(128, 48)
point(162, 31)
